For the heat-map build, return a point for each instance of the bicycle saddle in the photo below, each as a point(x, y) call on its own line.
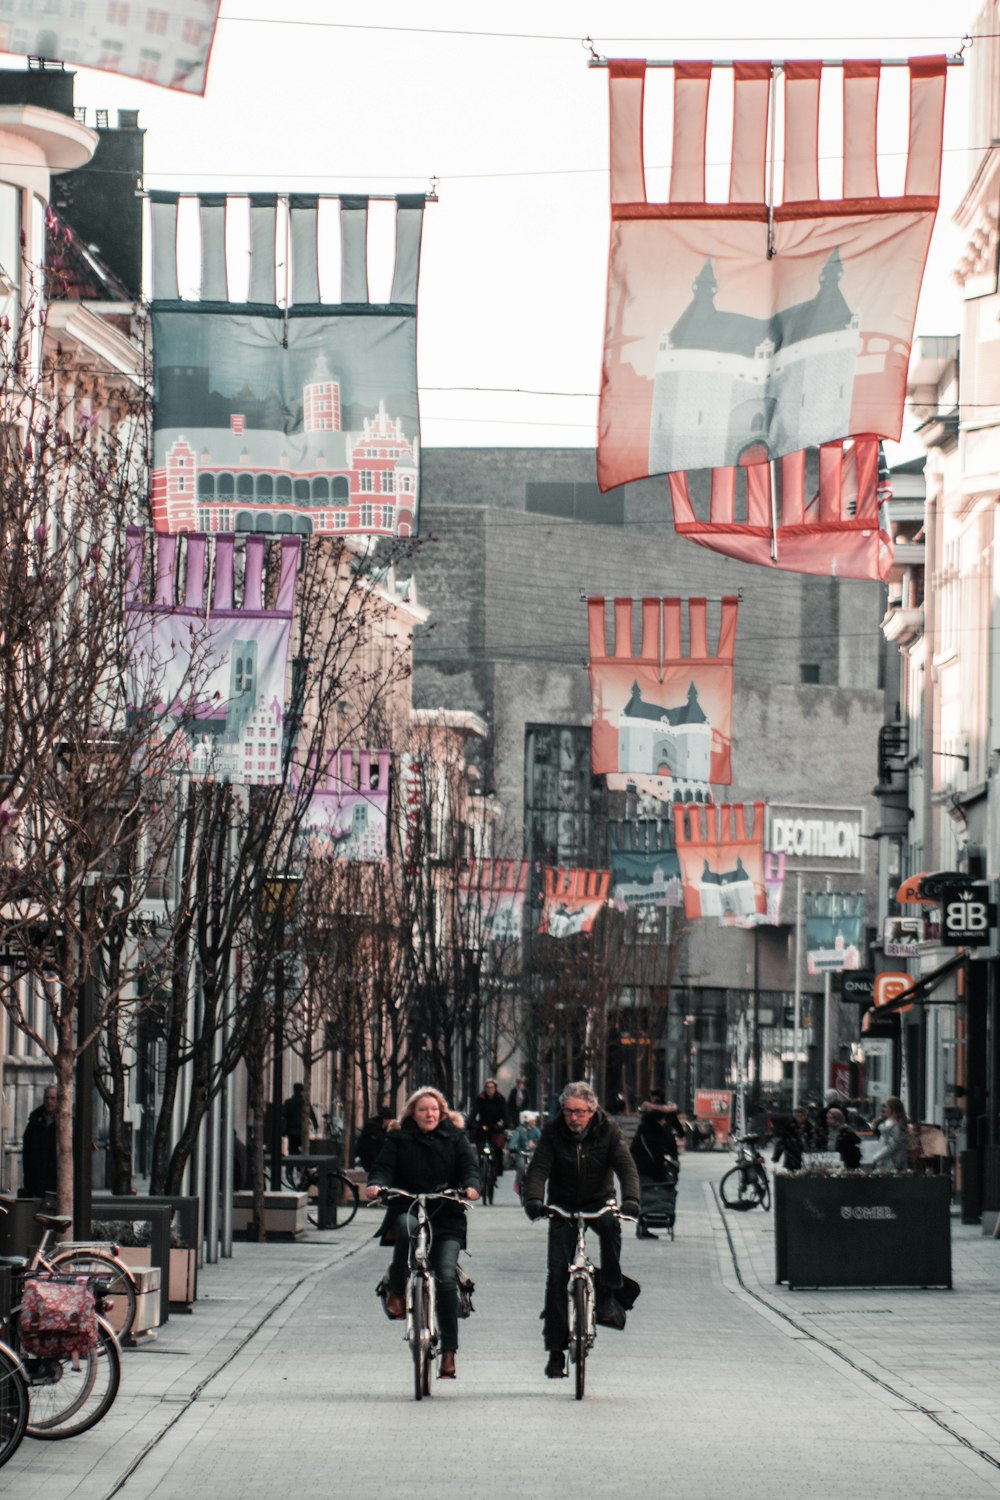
point(57, 1222)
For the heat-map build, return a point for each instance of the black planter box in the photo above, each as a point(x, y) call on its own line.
point(862, 1231)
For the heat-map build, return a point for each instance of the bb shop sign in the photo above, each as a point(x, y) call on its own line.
point(817, 838)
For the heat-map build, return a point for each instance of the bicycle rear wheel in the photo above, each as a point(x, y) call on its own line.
point(578, 1343)
point(121, 1287)
point(738, 1190)
point(13, 1403)
point(763, 1189)
point(347, 1205)
point(420, 1326)
point(63, 1402)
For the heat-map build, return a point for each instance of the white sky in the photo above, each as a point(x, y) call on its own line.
point(513, 125)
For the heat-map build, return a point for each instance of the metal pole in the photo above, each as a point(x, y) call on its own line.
point(215, 1145)
point(278, 1039)
point(797, 1019)
point(827, 1050)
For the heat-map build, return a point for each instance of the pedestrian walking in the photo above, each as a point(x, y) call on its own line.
point(892, 1152)
point(797, 1137)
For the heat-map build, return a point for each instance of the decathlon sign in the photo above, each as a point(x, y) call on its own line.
point(817, 838)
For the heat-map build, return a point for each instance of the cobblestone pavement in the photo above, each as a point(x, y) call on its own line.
point(287, 1378)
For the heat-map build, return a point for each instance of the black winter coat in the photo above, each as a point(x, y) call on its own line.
point(424, 1161)
point(653, 1145)
point(489, 1113)
point(581, 1169)
point(38, 1160)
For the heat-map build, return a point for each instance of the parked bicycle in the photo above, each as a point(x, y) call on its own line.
point(582, 1289)
point(66, 1396)
point(746, 1184)
point(13, 1403)
point(421, 1285)
point(342, 1193)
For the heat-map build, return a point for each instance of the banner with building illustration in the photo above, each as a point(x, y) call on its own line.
point(208, 658)
point(771, 322)
point(348, 812)
point(663, 715)
point(491, 896)
point(833, 930)
point(160, 41)
point(721, 852)
point(774, 885)
point(297, 418)
point(645, 869)
point(572, 900)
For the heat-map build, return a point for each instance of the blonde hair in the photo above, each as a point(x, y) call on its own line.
point(424, 1093)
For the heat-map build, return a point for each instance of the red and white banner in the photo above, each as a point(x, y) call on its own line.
point(749, 329)
point(160, 41)
point(834, 526)
point(210, 659)
point(347, 816)
point(721, 851)
point(491, 894)
point(665, 713)
point(774, 885)
point(573, 900)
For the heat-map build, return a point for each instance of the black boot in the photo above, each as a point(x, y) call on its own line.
point(642, 1233)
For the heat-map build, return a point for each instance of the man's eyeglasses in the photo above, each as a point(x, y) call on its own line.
point(585, 1111)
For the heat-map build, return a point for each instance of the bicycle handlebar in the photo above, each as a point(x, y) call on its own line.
point(453, 1195)
point(576, 1213)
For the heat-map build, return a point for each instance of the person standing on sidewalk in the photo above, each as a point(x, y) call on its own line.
point(38, 1147)
point(427, 1153)
point(579, 1155)
point(892, 1153)
point(797, 1137)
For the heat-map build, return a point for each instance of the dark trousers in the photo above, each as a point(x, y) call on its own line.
point(444, 1260)
point(562, 1248)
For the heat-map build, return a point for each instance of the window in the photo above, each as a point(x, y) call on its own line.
point(156, 22)
point(366, 482)
point(388, 518)
point(367, 515)
point(389, 482)
point(192, 33)
point(340, 520)
point(565, 811)
point(118, 12)
point(809, 671)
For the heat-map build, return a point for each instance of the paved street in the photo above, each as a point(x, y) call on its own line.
point(287, 1378)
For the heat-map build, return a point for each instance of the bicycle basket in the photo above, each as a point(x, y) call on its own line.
point(58, 1317)
point(466, 1287)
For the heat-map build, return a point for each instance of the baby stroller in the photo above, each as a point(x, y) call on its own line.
point(658, 1203)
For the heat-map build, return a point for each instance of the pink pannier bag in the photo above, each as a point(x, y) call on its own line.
point(58, 1317)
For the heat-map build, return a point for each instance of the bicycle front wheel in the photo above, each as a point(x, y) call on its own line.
point(733, 1189)
point(578, 1347)
point(420, 1335)
point(63, 1402)
point(120, 1296)
point(347, 1204)
point(13, 1403)
point(763, 1190)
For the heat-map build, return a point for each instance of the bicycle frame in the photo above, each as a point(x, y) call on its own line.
point(422, 1340)
point(582, 1270)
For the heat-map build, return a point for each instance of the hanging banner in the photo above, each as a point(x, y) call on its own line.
point(834, 525)
point(774, 885)
point(295, 418)
point(205, 661)
point(163, 41)
point(667, 713)
point(491, 894)
point(410, 812)
point(750, 329)
point(833, 930)
point(572, 900)
point(645, 870)
point(721, 851)
point(348, 812)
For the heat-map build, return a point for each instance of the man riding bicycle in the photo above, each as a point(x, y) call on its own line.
point(488, 1122)
point(579, 1155)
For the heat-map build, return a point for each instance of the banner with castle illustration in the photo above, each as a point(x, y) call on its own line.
point(572, 900)
point(296, 418)
point(662, 718)
point(160, 41)
point(207, 660)
point(645, 869)
point(721, 852)
point(348, 812)
point(833, 930)
point(774, 886)
point(743, 330)
point(491, 896)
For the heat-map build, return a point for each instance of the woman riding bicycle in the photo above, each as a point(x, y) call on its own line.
point(488, 1121)
point(427, 1152)
point(522, 1143)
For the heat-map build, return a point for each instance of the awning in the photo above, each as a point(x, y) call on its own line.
point(925, 889)
point(921, 989)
